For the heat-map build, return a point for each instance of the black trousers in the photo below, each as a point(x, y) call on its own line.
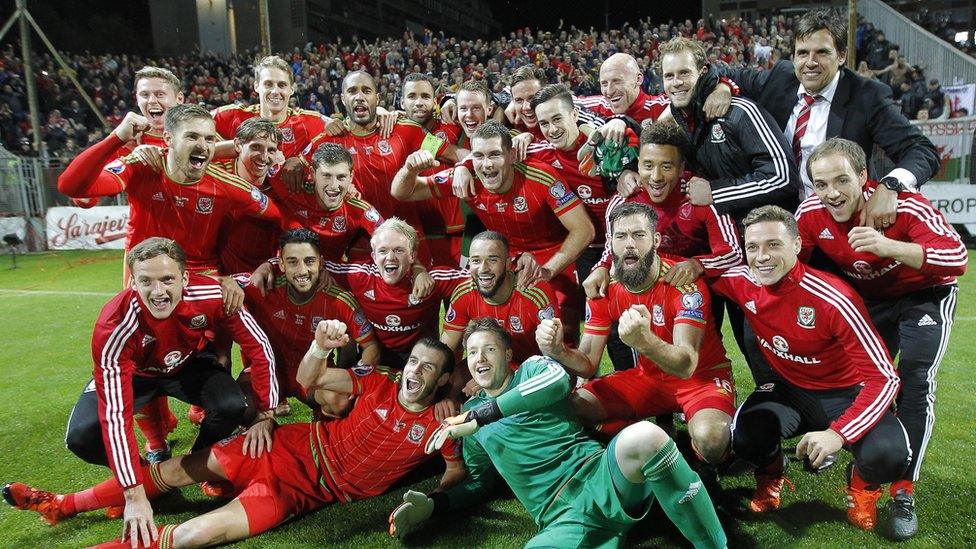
point(779, 410)
point(916, 328)
point(202, 381)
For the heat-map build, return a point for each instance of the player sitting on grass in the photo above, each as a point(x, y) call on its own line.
point(309, 465)
point(580, 494)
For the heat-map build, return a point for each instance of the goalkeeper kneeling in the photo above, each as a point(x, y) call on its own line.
point(522, 427)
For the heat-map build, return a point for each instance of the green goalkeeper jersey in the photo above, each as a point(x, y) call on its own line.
point(536, 446)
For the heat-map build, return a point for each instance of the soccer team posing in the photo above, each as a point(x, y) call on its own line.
point(326, 248)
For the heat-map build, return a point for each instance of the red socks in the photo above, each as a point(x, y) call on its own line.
point(108, 493)
point(859, 483)
point(164, 540)
point(156, 422)
point(906, 486)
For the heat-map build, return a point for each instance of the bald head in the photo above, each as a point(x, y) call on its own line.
point(620, 79)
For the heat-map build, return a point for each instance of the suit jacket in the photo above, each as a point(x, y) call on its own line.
point(862, 111)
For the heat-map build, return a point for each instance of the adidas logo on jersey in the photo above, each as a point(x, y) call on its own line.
point(370, 294)
point(926, 320)
point(280, 314)
point(556, 164)
point(482, 207)
point(826, 235)
point(159, 196)
point(382, 412)
point(751, 305)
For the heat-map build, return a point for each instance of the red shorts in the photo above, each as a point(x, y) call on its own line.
point(279, 484)
point(633, 394)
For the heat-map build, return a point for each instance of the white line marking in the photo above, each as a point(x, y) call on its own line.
point(23, 293)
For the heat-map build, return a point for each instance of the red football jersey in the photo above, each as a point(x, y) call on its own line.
point(691, 304)
point(246, 242)
point(643, 108)
point(128, 341)
point(442, 216)
point(528, 214)
point(590, 189)
point(520, 315)
point(944, 254)
point(399, 320)
point(291, 325)
point(365, 453)
point(698, 232)
point(815, 332)
point(298, 129)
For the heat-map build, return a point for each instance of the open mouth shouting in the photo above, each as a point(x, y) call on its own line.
point(156, 114)
point(413, 385)
point(630, 260)
point(159, 305)
point(658, 191)
point(198, 160)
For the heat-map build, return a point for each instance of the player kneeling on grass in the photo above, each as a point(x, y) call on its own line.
point(308, 466)
point(522, 427)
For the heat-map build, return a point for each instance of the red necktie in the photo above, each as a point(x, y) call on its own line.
point(801, 124)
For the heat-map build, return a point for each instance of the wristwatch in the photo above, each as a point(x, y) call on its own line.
point(892, 184)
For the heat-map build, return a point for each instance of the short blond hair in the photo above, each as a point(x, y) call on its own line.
point(273, 62)
point(397, 225)
point(161, 73)
point(680, 44)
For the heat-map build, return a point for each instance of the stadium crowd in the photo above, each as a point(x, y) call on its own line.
point(574, 189)
point(569, 56)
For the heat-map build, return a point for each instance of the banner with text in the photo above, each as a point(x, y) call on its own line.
point(98, 228)
point(954, 140)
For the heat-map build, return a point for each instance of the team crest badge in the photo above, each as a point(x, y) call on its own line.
point(116, 167)
point(547, 313)
point(287, 134)
point(198, 321)
point(384, 147)
point(685, 211)
point(657, 315)
point(417, 432)
point(392, 320)
point(441, 135)
point(584, 191)
point(339, 223)
point(372, 215)
point(587, 315)
point(204, 205)
point(520, 205)
point(516, 324)
point(780, 344)
point(806, 317)
point(718, 134)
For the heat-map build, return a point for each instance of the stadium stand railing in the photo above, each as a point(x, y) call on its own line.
point(25, 196)
point(921, 47)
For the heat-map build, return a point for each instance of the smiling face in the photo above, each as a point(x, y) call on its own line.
point(300, 262)
point(557, 121)
point(771, 251)
point(522, 94)
point(332, 182)
point(488, 361)
point(191, 147)
point(392, 255)
point(492, 164)
point(418, 101)
point(680, 74)
point(422, 375)
point(360, 99)
point(620, 79)
point(257, 155)
point(660, 168)
point(488, 263)
point(275, 88)
point(472, 109)
point(816, 60)
point(155, 96)
point(838, 185)
point(159, 281)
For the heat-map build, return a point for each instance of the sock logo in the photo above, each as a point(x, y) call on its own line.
point(693, 490)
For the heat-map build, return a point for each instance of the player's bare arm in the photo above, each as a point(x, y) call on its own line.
point(678, 359)
point(868, 239)
point(582, 362)
point(407, 184)
point(313, 372)
point(581, 233)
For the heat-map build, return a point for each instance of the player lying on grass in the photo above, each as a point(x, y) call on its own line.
point(308, 466)
point(834, 381)
point(580, 494)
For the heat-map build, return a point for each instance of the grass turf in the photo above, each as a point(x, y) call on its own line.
point(48, 306)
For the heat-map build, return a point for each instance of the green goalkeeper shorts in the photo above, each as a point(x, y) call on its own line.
point(595, 508)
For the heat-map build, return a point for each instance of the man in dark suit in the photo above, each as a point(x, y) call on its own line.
point(816, 98)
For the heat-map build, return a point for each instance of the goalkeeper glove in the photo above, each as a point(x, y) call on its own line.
point(463, 425)
point(415, 509)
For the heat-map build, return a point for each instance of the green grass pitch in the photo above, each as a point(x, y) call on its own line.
point(48, 306)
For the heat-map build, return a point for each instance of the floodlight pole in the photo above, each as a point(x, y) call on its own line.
point(265, 25)
point(25, 52)
point(852, 34)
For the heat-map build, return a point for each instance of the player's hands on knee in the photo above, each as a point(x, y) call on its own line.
point(138, 525)
point(596, 283)
point(331, 334)
point(549, 335)
point(817, 445)
point(453, 427)
point(257, 439)
point(415, 509)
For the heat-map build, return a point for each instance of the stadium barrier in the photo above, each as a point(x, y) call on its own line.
point(23, 199)
point(98, 228)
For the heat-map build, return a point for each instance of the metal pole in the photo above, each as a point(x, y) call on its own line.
point(265, 27)
point(852, 34)
point(25, 52)
point(67, 70)
point(8, 24)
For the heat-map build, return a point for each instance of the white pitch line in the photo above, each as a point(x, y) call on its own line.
point(23, 293)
